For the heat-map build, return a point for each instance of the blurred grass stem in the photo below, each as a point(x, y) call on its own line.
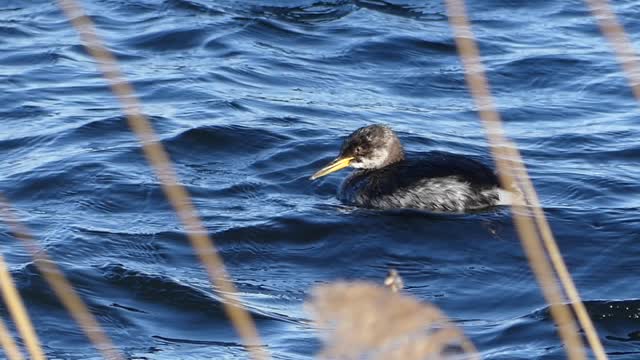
point(9, 346)
point(18, 312)
point(60, 285)
point(529, 220)
point(176, 193)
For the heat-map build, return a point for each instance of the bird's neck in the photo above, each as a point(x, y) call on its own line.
point(396, 154)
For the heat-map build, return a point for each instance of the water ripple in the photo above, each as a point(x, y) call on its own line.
point(250, 98)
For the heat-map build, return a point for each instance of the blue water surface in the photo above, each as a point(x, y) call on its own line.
point(250, 98)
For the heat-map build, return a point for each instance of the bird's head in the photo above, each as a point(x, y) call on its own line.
point(370, 147)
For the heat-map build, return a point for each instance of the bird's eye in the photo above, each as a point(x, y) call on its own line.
point(358, 150)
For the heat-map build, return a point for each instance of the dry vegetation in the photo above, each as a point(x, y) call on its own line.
point(359, 320)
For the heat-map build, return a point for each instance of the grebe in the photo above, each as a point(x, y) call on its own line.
point(386, 179)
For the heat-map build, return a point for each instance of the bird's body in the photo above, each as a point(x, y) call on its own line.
point(436, 181)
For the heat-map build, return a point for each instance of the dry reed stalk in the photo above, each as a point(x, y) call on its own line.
point(60, 285)
point(161, 164)
point(512, 171)
point(363, 320)
point(7, 343)
point(563, 274)
point(617, 37)
point(19, 314)
point(626, 54)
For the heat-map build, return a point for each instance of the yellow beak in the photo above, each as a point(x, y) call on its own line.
point(335, 165)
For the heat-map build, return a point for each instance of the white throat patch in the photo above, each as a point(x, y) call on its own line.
point(374, 161)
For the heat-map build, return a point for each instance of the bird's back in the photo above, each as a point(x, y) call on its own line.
point(436, 181)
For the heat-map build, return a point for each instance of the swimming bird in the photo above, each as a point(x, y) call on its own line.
point(385, 178)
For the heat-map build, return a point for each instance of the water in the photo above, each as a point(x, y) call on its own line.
point(251, 98)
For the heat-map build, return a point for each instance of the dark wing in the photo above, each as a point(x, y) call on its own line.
point(436, 164)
